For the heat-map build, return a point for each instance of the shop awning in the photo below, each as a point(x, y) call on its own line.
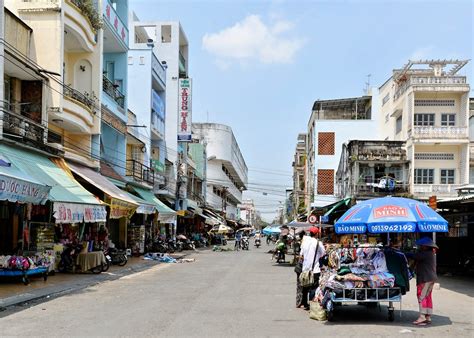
point(121, 204)
point(343, 202)
point(165, 213)
point(71, 202)
point(17, 186)
point(144, 207)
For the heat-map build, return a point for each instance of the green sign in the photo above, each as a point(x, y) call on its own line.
point(158, 166)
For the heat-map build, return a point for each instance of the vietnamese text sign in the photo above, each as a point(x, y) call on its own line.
point(17, 190)
point(77, 213)
point(184, 111)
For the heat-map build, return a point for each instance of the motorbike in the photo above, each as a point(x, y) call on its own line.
point(114, 256)
point(280, 254)
point(186, 244)
point(257, 242)
point(69, 257)
point(245, 243)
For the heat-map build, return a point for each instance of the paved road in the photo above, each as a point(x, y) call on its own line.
point(221, 294)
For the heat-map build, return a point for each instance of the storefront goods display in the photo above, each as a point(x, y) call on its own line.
point(165, 258)
point(91, 261)
point(23, 267)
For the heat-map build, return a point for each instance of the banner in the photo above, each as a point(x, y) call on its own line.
point(77, 213)
point(119, 209)
point(17, 190)
point(184, 111)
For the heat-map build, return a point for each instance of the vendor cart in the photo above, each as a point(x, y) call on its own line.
point(376, 216)
point(25, 274)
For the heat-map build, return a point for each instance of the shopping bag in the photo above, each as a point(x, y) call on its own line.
point(316, 311)
point(306, 278)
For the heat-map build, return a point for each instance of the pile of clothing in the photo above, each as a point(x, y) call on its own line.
point(165, 258)
point(363, 267)
point(24, 263)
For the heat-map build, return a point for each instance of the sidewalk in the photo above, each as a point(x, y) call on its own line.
point(15, 293)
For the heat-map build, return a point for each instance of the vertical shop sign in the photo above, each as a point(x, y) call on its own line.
point(184, 111)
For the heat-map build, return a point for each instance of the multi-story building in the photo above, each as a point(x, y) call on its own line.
point(114, 98)
point(332, 123)
point(146, 98)
point(68, 50)
point(226, 168)
point(299, 177)
point(248, 212)
point(471, 140)
point(171, 44)
point(426, 104)
point(369, 169)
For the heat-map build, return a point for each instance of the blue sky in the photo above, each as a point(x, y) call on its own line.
point(258, 66)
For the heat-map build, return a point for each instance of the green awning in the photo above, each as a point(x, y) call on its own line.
point(165, 213)
point(337, 205)
point(118, 183)
point(144, 207)
point(64, 188)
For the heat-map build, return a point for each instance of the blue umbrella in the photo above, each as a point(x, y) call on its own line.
point(390, 214)
point(271, 230)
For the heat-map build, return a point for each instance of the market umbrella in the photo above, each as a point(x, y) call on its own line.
point(222, 229)
point(271, 230)
point(246, 229)
point(390, 214)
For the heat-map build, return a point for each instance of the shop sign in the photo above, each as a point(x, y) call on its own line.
point(114, 122)
point(119, 209)
point(77, 213)
point(184, 105)
point(115, 22)
point(16, 190)
point(145, 209)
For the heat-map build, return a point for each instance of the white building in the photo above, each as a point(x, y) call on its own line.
point(226, 168)
point(147, 96)
point(426, 104)
point(248, 213)
point(332, 123)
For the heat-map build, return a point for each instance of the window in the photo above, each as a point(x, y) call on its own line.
point(130, 60)
point(398, 125)
point(424, 119)
point(142, 60)
point(385, 99)
point(166, 33)
point(326, 143)
point(325, 182)
point(447, 176)
point(448, 120)
point(424, 176)
point(54, 137)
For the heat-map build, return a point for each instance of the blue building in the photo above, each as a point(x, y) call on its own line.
point(114, 85)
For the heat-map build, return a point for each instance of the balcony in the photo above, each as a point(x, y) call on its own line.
point(78, 111)
point(439, 190)
point(370, 190)
point(432, 132)
point(430, 81)
point(140, 172)
point(112, 90)
point(81, 22)
point(22, 129)
point(182, 64)
point(158, 70)
point(115, 30)
point(471, 152)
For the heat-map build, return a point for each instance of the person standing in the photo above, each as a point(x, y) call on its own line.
point(425, 278)
point(312, 250)
point(238, 239)
point(298, 270)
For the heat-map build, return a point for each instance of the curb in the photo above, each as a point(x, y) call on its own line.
point(39, 298)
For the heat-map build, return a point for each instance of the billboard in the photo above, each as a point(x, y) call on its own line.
point(184, 110)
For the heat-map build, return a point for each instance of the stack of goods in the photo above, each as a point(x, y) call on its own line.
point(344, 270)
point(24, 263)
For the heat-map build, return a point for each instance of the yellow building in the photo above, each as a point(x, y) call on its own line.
point(426, 104)
point(67, 47)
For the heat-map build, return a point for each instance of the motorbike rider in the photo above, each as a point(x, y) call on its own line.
point(238, 239)
point(257, 237)
point(280, 246)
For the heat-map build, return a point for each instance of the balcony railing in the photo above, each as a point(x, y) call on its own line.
point(432, 132)
point(140, 172)
point(429, 80)
point(78, 96)
point(436, 189)
point(373, 190)
point(19, 127)
point(90, 12)
point(112, 90)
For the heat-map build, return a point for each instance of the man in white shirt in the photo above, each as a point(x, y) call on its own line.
point(308, 250)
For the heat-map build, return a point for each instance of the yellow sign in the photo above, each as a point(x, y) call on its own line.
point(181, 212)
point(119, 209)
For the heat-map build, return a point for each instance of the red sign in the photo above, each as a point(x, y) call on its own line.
point(390, 211)
point(433, 203)
point(312, 219)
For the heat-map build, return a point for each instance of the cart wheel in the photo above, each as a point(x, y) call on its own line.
point(96, 270)
point(391, 315)
point(330, 315)
point(45, 277)
point(25, 280)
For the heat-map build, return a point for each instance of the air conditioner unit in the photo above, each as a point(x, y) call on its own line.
point(57, 146)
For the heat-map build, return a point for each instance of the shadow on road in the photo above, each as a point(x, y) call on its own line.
point(363, 315)
point(460, 284)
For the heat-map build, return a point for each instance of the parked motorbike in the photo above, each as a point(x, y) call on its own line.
point(186, 244)
point(69, 257)
point(114, 256)
point(257, 242)
point(245, 243)
point(280, 255)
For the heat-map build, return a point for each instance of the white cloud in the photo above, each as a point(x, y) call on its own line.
point(422, 53)
point(252, 40)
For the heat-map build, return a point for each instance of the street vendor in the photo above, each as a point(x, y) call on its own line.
point(425, 278)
